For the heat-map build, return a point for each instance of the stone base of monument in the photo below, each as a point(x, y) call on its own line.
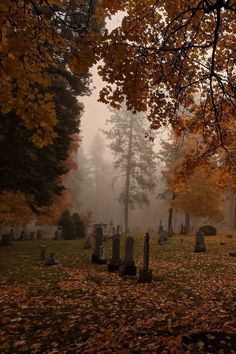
point(200, 248)
point(145, 276)
point(127, 269)
point(113, 267)
point(232, 254)
point(96, 260)
point(50, 262)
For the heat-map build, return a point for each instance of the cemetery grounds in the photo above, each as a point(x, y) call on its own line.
point(78, 307)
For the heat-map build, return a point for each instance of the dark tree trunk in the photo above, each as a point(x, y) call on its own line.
point(187, 223)
point(170, 218)
point(128, 174)
point(170, 222)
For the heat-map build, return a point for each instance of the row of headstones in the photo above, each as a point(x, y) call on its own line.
point(6, 239)
point(115, 264)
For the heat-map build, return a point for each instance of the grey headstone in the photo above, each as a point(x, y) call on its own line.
point(200, 242)
point(96, 256)
point(51, 260)
point(145, 274)
point(127, 266)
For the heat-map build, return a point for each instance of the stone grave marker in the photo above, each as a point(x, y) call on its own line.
point(145, 274)
point(39, 234)
point(6, 240)
point(200, 242)
point(127, 266)
point(32, 235)
point(87, 243)
point(51, 260)
point(114, 263)
point(96, 255)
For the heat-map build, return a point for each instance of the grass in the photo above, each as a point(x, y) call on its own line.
point(78, 307)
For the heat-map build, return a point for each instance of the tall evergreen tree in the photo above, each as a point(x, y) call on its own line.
point(134, 158)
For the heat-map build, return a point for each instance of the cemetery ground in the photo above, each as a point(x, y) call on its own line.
point(78, 307)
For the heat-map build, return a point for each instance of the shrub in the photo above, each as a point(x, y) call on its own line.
point(208, 230)
point(68, 226)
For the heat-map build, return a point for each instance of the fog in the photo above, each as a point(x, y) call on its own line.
point(104, 204)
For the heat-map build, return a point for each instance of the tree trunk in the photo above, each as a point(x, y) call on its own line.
point(127, 179)
point(187, 223)
point(170, 221)
point(170, 217)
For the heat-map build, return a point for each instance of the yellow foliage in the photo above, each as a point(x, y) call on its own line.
point(29, 44)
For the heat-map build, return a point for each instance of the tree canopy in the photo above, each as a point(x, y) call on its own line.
point(176, 61)
point(36, 35)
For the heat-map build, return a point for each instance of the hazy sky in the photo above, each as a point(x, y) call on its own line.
point(95, 113)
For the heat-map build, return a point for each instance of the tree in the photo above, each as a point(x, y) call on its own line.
point(167, 56)
point(202, 194)
point(68, 226)
point(134, 158)
point(39, 172)
point(36, 37)
point(80, 226)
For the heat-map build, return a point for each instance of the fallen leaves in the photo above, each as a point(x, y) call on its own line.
point(90, 310)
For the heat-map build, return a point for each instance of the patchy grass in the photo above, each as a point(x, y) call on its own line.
point(78, 307)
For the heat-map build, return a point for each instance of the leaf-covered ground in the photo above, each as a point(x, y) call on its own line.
point(77, 307)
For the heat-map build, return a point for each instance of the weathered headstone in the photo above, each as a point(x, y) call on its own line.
point(111, 228)
point(163, 236)
point(232, 254)
point(200, 243)
point(31, 235)
point(22, 235)
point(127, 266)
point(96, 255)
point(56, 236)
point(42, 253)
point(102, 254)
point(51, 260)
point(114, 263)
point(87, 243)
point(39, 234)
point(145, 274)
point(6, 240)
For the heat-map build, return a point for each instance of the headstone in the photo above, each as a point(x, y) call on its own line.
point(160, 228)
point(56, 236)
point(222, 243)
point(232, 254)
point(22, 235)
point(127, 266)
point(39, 234)
point(163, 236)
point(145, 274)
point(183, 229)
point(6, 240)
point(200, 243)
point(31, 235)
point(98, 243)
point(102, 254)
point(87, 243)
point(51, 260)
point(114, 263)
point(111, 228)
point(229, 236)
point(42, 252)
